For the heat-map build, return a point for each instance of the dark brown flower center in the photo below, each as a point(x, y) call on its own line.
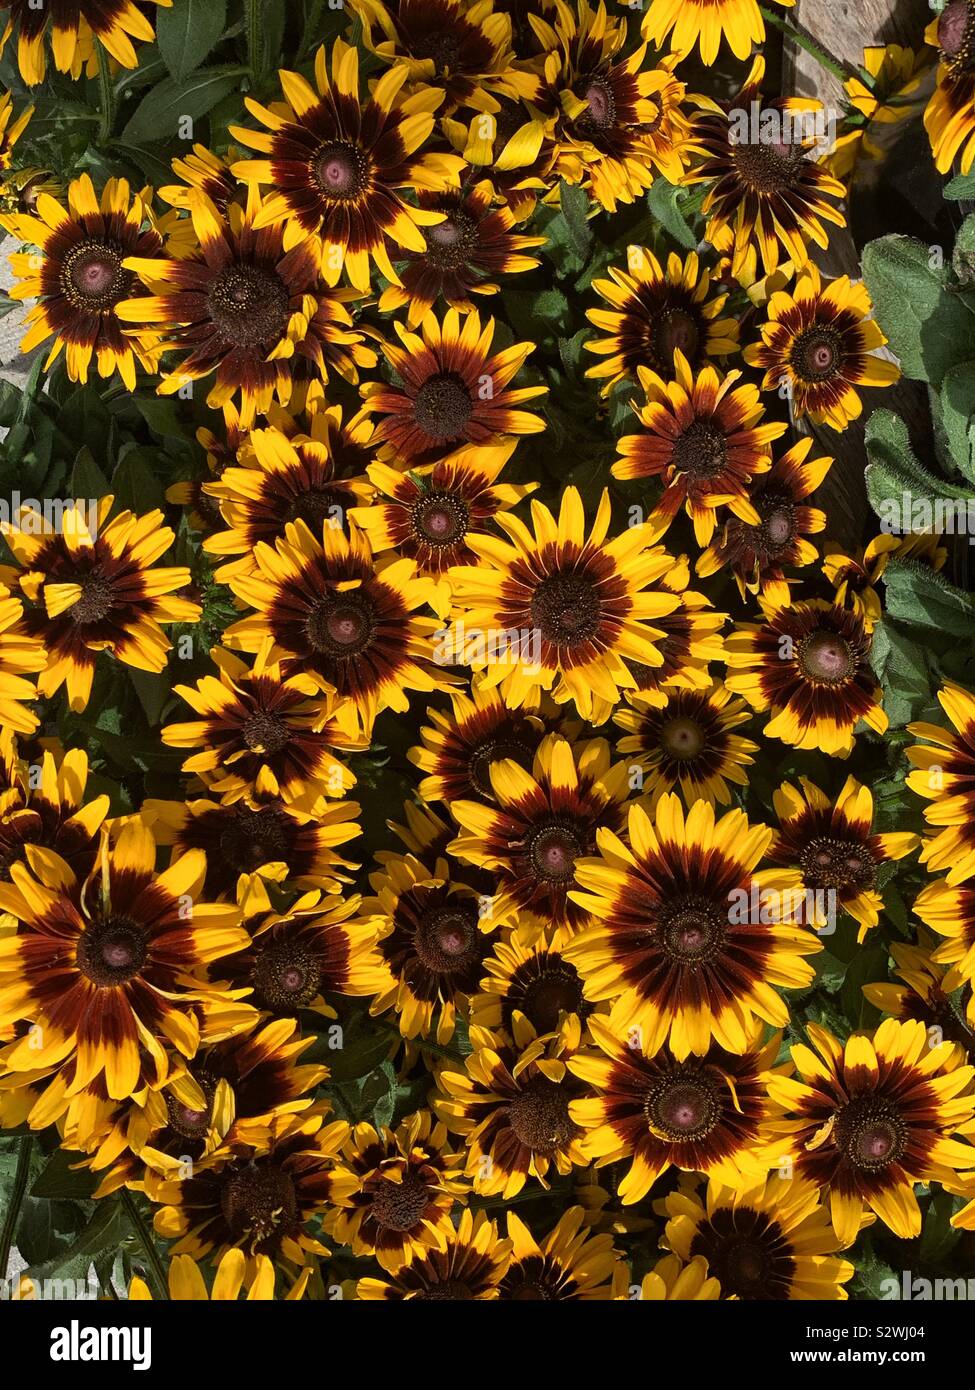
point(188, 1122)
point(675, 329)
point(92, 277)
point(691, 931)
point(450, 244)
point(492, 750)
point(778, 525)
point(249, 306)
point(448, 940)
point(316, 506)
point(682, 738)
point(399, 1206)
point(955, 32)
point(566, 609)
point(539, 1116)
point(447, 1290)
point(553, 849)
point(266, 733)
point(817, 353)
point(439, 519)
point(871, 1132)
point(342, 624)
point(259, 1205)
point(557, 990)
point(683, 1105)
point(443, 406)
point(340, 170)
point(826, 657)
point(95, 601)
point(600, 113)
point(285, 975)
point(111, 951)
point(767, 168)
point(701, 450)
point(442, 48)
point(834, 863)
point(250, 838)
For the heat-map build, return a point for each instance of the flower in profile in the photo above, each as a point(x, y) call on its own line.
point(822, 344)
point(570, 611)
point(468, 1262)
point(709, 1114)
point(570, 1263)
point(654, 311)
point(80, 278)
point(870, 1118)
point(758, 555)
point(949, 910)
point(337, 165)
point(74, 27)
point(950, 115)
point(944, 774)
point(527, 976)
point(772, 1241)
point(688, 743)
point(22, 655)
point(690, 640)
point(52, 812)
point(808, 664)
point(706, 23)
point(185, 1283)
point(703, 437)
point(855, 577)
point(831, 840)
point(453, 390)
point(690, 941)
point(922, 993)
point(93, 586)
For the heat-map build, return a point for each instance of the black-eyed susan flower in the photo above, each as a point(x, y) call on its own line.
point(540, 824)
point(408, 1182)
point(556, 610)
point(950, 115)
point(944, 774)
point(706, 23)
point(759, 555)
point(690, 640)
point(429, 517)
point(569, 1263)
point(672, 1280)
point(203, 170)
point(949, 910)
point(185, 1282)
point(832, 842)
point(452, 389)
point(870, 1118)
point(475, 242)
point(93, 586)
point(772, 1241)
point(79, 277)
point(822, 343)
point(512, 1105)
point(653, 311)
point(337, 164)
point(527, 974)
point(923, 993)
point(705, 439)
point(202, 511)
point(689, 939)
point(688, 743)
point(21, 656)
point(73, 27)
point(338, 617)
point(855, 577)
point(53, 813)
point(103, 968)
point(709, 1114)
point(515, 144)
point(764, 194)
point(467, 1263)
point(262, 734)
point(808, 664)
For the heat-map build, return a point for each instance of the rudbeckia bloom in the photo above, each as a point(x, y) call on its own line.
point(337, 165)
point(923, 994)
point(512, 1105)
point(52, 814)
point(772, 1241)
point(688, 743)
point(706, 22)
point(708, 1114)
point(73, 26)
point(767, 194)
point(336, 616)
point(689, 939)
point(653, 312)
point(949, 910)
point(704, 439)
point(467, 1263)
point(832, 843)
point(103, 968)
point(680, 1283)
point(82, 277)
point(186, 1284)
point(690, 640)
point(540, 824)
point(21, 656)
point(408, 1181)
point(945, 775)
point(454, 390)
point(262, 734)
point(557, 610)
point(854, 577)
point(93, 586)
point(809, 665)
point(528, 975)
point(950, 115)
point(871, 1118)
point(822, 343)
point(475, 242)
point(570, 1263)
point(245, 308)
point(758, 555)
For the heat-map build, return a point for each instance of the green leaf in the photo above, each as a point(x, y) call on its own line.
point(154, 689)
point(664, 201)
point(903, 671)
point(186, 33)
point(358, 1059)
point(918, 595)
point(961, 189)
point(929, 329)
point(901, 491)
point(106, 1229)
point(574, 202)
point(161, 110)
point(87, 479)
point(58, 1179)
point(135, 486)
point(955, 410)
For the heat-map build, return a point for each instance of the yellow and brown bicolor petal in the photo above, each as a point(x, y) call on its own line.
point(690, 940)
point(706, 1114)
point(22, 655)
point(944, 774)
point(831, 841)
point(949, 117)
point(72, 29)
point(823, 345)
point(705, 23)
point(854, 577)
point(104, 968)
point(552, 609)
point(949, 910)
point(92, 585)
point(758, 554)
point(870, 1118)
point(690, 640)
point(923, 994)
point(703, 437)
point(679, 1283)
point(808, 664)
point(80, 277)
point(771, 1241)
point(336, 615)
point(52, 814)
point(529, 977)
point(569, 1263)
point(452, 390)
point(653, 311)
point(468, 1262)
point(337, 165)
point(186, 1283)
point(539, 825)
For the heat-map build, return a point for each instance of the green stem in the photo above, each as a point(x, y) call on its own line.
point(312, 25)
point(256, 49)
point(144, 1236)
point(106, 97)
point(16, 1201)
point(805, 40)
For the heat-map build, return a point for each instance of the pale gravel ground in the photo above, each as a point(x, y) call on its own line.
point(14, 367)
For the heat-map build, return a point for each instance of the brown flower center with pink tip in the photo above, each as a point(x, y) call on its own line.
point(955, 33)
point(836, 863)
point(342, 624)
point(553, 849)
point(286, 976)
point(826, 657)
point(439, 519)
point(340, 170)
point(249, 306)
point(682, 738)
point(691, 931)
point(450, 244)
point(817, 354)
point(92, 277)
point(871, 1133)
point(683, 1105)
point(443, 406)
point(111, 951)
point(448, 940)
point(600, 112)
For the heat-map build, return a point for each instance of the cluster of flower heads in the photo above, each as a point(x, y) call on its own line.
point(548, 956)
